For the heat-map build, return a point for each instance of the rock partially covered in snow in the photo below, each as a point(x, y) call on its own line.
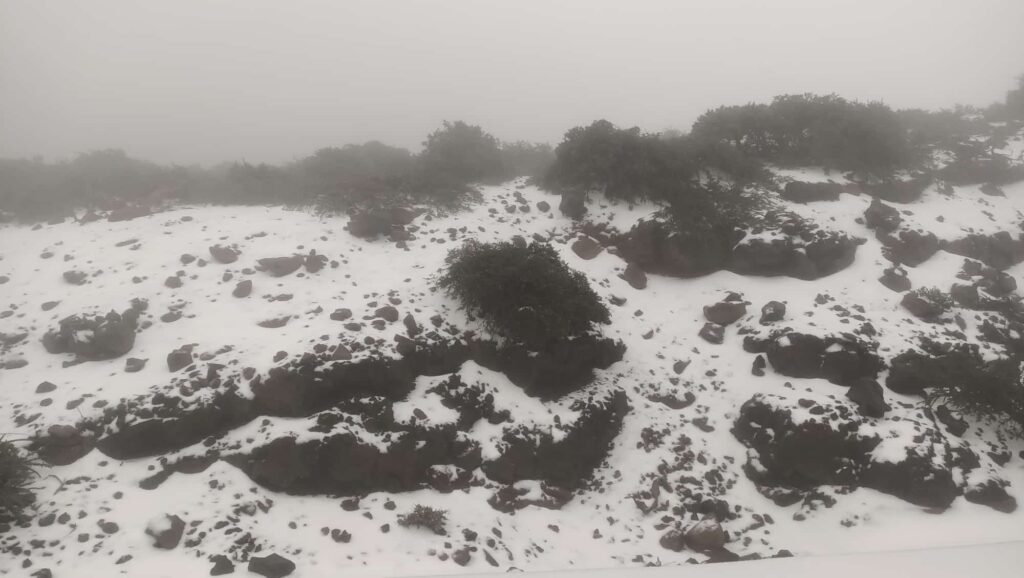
point(166, 531)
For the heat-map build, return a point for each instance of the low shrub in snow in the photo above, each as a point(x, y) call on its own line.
point(991, 391)
point(17, 471)
point(425, 517)
point(526, 292)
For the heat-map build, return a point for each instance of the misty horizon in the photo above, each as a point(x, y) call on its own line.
point(205, 83)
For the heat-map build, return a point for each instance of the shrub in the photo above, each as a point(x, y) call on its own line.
point(352, 174)
point(988, 391)
point(458, 154)
point(17, 471)
point(524, 159)
point(813, 130)
point(941, 301)
point(425, 517)
point(620, 163)
point(526, 293)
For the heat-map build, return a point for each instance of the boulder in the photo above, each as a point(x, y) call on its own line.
point(706, 536)
point(907, 247)
point(179, 358)
point(831, 444)
point(635, 276)
point(801, 192)
point(166, 531)
point(281, 266)
point(882, 217)
point(712, 333)
point(586, 248)
point(225, 255)
point(96, 338)
point(867, 394)
point(272, 566)
point(1000, 250)
point(772, 312)
point(242, 289)
point(895, 279)
point(839, 359)
point(725, 312)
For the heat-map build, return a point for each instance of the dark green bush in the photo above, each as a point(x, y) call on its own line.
point(458, 154)
point(989, 391)
point(425, 517)
point(620, 163)
point(813, 130)
point(17, 472)
point(526, 293)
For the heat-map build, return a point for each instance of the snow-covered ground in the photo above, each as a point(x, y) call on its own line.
point(600, 527)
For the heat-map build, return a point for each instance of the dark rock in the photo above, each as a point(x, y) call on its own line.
point(1000, 250)
point(841, 360)
point(867, 394)
point(543, 206)
point(242, 289)
point(772, 312)
point(993, 494)
point(62, 445)
point(586, 248)
point(221, 565)
point(725, 312)
point(186, 259)
point(75, 277)
point(899, 191)
point(341, 314)
point(712, 333)
point(910, 248)
point(173, 282)
point(50, 305)
point(759, 366)
point(921, 307)
point(895, 278)
point(954, 425)
point(225, 255)
point(387, 313)
point(674, 540)
point(275, 323)
point(179, 359)
point(705, 536)
point(635, 276)
point(801, 192)
point(272, 566)
point(882, 217)
point(110, 336)
point(281, 266)
point(134, 364)
point(45, 387)
point(834, 449)
point(167, 532)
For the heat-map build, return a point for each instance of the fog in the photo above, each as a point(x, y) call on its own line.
point(207, 81)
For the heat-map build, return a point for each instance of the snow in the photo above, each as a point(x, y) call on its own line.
point(375, 271)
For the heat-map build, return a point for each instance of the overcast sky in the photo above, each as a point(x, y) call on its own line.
point(205, 81)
